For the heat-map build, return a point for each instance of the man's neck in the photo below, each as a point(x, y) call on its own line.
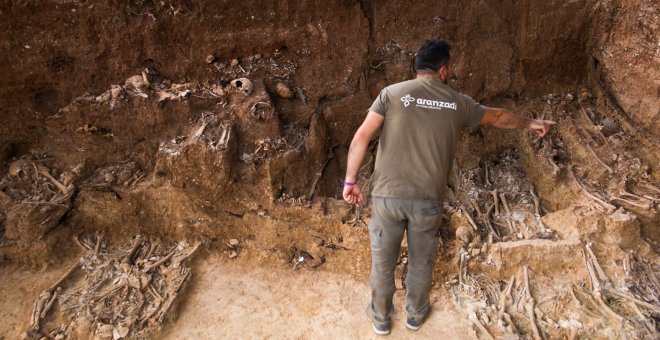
point(429, 75)
point(426, 75)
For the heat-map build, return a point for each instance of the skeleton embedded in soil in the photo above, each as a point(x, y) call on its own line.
point(509, 211)
point(124, 292)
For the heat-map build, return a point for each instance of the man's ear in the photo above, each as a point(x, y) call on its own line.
point(443, 73)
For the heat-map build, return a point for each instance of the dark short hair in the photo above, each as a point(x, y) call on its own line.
point(433, 55)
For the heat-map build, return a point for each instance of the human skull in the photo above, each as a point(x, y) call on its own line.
point(243, 85)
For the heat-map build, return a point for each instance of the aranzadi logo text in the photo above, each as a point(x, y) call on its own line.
point(427, 103)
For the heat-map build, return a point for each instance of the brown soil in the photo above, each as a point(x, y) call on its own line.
point(229, 124)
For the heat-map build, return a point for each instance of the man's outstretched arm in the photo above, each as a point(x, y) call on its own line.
point(504, 119)
point(371, 125)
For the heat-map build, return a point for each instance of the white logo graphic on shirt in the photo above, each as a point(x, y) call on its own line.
point(407, 99)
point(427, 103)
point(434, 104)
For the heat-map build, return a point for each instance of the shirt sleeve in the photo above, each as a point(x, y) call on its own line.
point(473, 111)
point(381, 103)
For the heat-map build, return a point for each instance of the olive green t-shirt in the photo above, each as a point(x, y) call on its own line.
point(423, 120)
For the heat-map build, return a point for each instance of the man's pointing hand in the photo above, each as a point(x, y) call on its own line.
point(541, 127)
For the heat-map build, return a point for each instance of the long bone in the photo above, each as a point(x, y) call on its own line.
point(484, 217)
point(529, 305)
point(469, 217)
point(645, 205)
point(508, 214)
point(608, 207)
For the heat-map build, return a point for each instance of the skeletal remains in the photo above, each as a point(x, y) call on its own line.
point(121, 291)
point(490, 204)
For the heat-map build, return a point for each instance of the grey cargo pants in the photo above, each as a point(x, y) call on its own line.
point(390, 217)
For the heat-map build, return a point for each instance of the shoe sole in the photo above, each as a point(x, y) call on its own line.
point(380, 332)
point(412, 328)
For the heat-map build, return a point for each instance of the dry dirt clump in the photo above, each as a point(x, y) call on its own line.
point(113, 292)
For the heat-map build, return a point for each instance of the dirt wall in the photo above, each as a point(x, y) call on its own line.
point(55, 50)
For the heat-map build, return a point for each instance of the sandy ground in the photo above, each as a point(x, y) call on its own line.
point(231, 300)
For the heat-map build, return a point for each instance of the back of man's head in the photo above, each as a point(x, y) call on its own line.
point(433, 55)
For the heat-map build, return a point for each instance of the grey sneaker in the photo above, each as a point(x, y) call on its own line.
point(414, 324)
point(381, 328)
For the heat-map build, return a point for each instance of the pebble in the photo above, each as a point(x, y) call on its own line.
point(233, 254)
point(210, 58)
point(234, 62)
point(233, 242)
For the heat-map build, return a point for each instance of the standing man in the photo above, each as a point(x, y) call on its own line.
point(421, 120)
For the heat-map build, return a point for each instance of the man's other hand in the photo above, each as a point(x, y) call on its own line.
point(541, 127)
point(353, 194)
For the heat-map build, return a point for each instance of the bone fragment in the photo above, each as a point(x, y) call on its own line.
point(168, 303)
point(37, 308)
point(199, 132)
point(572, 292)
point(608, 207)
point(595, 283)
point(537, 209)
point(593, 153)
point(529, 305)
point(497, 208)
point(161, 261)
point(623, 192)
point(645, 205)
point(475, 320)
point(595, 128)
point(137, 243)
point(50, 303)
point(596, 291)
point(461, 262)
point(99, 237)
point(469, 218)
point(152, 312)
point(627, 264)
point(594, 260)
point(190, 252)
point(225, 134)
point(490, 225)
point(64, 189)
point(508, 214)
point(636, 301)
point(76, 238)
point(651, 187)
point(607, 309)
point(505, 297)
point(64, 277)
